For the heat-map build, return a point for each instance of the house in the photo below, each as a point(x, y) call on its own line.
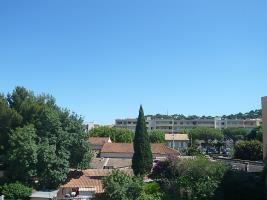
point(111, 163)
point(86, 185)
point(177, 141)
point(126, 151)
point(80, 188)
point(98, 142)
point(44, 195)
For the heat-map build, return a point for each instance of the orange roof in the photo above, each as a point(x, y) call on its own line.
point(128, 148)
point(97, 172)
point(85, 182)
point(103, 172)
point(99, 140)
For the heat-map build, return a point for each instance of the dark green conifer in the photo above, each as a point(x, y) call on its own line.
point(142, 159)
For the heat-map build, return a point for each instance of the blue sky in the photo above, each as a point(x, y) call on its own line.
point(103, 58)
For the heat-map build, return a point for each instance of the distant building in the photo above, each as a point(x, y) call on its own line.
point(98, 142)
point(125, 150)
point(90, 125)
point(264, 115)
point(177, 141)
point(175, 125)
point(86, 185)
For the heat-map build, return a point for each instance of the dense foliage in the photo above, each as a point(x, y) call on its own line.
point(235, 134)
point(15, 191)
point(255, 134)
point(119, 135)
point(248, 150)
point(206, 134)
point(121, 186)
point(253, 114)
point(142, 158)
point(239, 185)
point(189, 178)
point(157, 136)
point(39, 140)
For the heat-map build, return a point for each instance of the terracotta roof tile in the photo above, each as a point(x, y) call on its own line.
point(128, 148)
point(99, 140)
point(97, 172)
point(85, 182)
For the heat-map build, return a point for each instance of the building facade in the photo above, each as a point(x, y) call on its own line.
point(175, 125)
point(264, 122)
point(177, 141)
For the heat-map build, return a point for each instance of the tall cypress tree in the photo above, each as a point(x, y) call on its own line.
point(142, 159)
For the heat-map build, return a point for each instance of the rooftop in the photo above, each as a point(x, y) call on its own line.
point(178, 137)
point(128, 148)
point(99, 140)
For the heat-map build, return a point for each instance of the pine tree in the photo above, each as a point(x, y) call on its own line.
point(142, 159)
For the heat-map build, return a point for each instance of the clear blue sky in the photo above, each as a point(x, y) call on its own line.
point(103, 58)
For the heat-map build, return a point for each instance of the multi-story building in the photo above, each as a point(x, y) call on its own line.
point(175, 125)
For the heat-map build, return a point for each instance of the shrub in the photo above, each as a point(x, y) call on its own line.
point(16, 191)
point(248, 150)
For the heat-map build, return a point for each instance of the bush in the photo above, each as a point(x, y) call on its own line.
point(248, 150)
point(16, 191)
point(121, 186)
point(197, 178)
point(243, 186)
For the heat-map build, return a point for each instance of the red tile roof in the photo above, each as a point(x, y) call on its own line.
point(103, 172)
point(98, 140)
point(128, 148)
point(85, 182)
point(97, 172)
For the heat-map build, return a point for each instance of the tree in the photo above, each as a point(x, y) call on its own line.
point(243, 185)
point(206, 134)
point(80, 152)
point(22, 155)
point(248, 150)
point(16, 191)
point(52, 166)
point(235, 134)
point(142, 159)
point(197, 178)
point(157, 136)
point(255, 134)
point(119, 135)
point(9, 119)
point(121, 186)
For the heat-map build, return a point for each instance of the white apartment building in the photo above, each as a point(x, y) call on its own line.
point(175, 125)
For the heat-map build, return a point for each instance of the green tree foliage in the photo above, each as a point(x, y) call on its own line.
point(120, 186)
point(206, 134)
point(15, 191)
point(157, 136)
point(235, 134)
point(22, 154)
point(189, 178)
point(52, 166)
point(255, 134)
point(242, 185)
point(118, 135)
point(142, 159)
point(248, 150)
point(9, 119)
point(54, 134)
